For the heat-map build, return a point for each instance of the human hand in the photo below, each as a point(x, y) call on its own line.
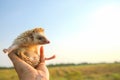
point(27, 72)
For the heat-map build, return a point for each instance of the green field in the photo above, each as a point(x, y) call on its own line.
point(79, 72)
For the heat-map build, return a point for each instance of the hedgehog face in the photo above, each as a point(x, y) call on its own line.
point(39, 38)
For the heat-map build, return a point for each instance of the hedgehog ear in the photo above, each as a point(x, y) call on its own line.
point(31, 36)
point(41, 29)
point(38, 30)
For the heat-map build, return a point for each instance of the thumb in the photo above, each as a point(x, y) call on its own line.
point(42, 57)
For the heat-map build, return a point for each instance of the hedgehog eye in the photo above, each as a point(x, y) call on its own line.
point(40, 38)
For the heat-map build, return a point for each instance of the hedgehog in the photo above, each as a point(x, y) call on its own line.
point(26, 45)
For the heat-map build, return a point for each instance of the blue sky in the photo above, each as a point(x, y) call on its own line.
point(79, 30)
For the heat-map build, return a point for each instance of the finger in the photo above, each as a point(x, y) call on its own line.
point(14, 58)
point(52, 57)
point(5, 50)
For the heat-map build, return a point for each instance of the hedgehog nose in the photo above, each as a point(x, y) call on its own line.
point(48, 41)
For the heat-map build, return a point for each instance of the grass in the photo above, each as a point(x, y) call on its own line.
point(79, 72)
point(8, 74)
